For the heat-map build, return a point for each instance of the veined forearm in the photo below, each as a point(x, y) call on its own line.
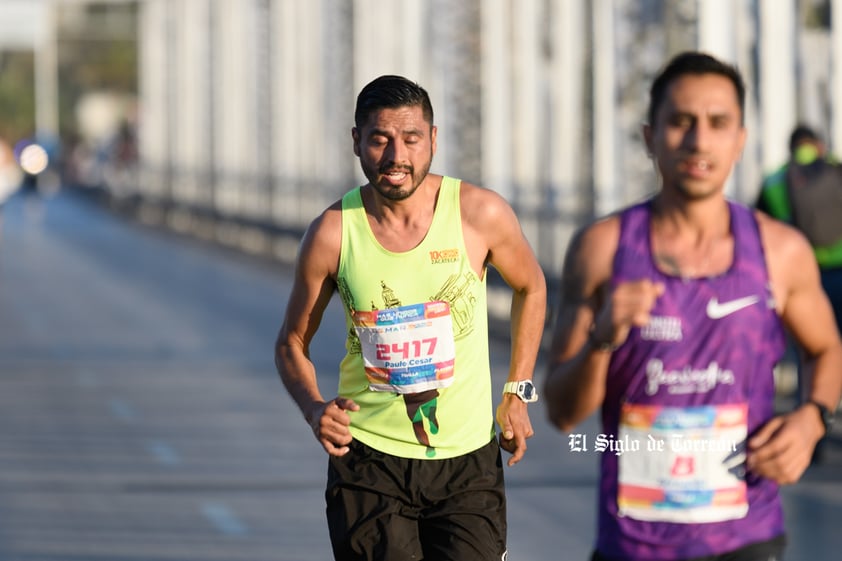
point(826, 380)
point(528, 313)
point(299, 378)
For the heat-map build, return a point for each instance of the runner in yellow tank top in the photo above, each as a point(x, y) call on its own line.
point(416, 400)
point(415, 471)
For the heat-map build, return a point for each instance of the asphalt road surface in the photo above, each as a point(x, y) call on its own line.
point(141, 418)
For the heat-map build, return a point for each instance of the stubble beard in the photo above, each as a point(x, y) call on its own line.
point(691, 192)
point(393, 194)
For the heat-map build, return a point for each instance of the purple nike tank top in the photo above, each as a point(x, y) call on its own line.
point(681, 395)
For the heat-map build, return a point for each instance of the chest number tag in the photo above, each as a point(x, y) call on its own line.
point(408, 349)
point(692, 467)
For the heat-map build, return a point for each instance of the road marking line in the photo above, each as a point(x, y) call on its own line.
point(122, 410)
point(163, 452)
point(223, 519)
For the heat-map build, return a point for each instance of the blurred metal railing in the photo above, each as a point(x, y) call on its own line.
point(246, 105)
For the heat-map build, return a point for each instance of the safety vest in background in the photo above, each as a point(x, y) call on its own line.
point(807, 193)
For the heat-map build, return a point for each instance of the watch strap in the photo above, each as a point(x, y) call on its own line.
point(517, 388)
point(511, 387)
point(825, 414)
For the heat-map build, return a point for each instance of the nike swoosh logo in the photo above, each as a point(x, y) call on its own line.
point(718, 310)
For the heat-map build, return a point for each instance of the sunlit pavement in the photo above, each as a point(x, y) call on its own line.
point(141, 417)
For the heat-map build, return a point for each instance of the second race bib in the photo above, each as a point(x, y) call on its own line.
point(697, 477)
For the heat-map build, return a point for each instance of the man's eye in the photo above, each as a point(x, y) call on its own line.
point(682, 121)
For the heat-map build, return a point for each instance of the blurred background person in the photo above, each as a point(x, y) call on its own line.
point(806, 192)
point(39, 179)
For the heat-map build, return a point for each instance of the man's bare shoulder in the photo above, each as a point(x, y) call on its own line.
point(328, 223)
point(790, 259)
point(596, 242)
point(323, 239)
point(781, 241)
point(590, 258)
point(602, 229)
point(487, 214)
point(480, 203)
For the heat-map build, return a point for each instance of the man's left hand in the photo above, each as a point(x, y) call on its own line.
point(781, 449)
point(515, 427)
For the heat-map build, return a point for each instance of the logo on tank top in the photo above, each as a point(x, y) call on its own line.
point(718, 310)
point(685, 380)
point(662, 328)
point(439, 256)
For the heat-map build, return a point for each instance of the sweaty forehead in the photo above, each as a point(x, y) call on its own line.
point(397, 119)
point(701, 94)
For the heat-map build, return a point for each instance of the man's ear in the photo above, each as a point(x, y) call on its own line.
point(646, 129)
point(743, 137)
point(355, 135)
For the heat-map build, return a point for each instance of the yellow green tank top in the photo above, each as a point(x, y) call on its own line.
point(417, 337)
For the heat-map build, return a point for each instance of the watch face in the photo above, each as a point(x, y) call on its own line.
point(528, 391)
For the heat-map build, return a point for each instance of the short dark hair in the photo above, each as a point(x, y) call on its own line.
point(391, 92)
point(801, 133)
point(693, 62)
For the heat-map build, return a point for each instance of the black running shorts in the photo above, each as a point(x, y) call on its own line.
point(382, 507)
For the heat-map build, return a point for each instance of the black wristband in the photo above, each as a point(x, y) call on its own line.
point(601, 346)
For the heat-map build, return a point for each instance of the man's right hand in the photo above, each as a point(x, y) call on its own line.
point(330, 423)
point(628, 306)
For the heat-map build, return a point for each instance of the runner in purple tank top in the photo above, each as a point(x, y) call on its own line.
point(672, 319)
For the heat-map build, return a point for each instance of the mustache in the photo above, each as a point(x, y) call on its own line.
point(389, 168)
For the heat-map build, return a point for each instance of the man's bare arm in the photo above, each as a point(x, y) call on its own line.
point(781, 450)
point(494, 234)
point(575, 383)
point(313, 287)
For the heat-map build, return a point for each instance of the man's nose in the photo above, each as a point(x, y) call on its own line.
point(397, 152)
point(699, 136)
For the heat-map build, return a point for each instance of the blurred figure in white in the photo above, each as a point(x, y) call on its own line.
point(40, 180)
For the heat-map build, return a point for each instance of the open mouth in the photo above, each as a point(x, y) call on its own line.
point(395, 177)
point(696, 168)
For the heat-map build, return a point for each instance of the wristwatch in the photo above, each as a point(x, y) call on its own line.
point(524, 389)
point(825, 413)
